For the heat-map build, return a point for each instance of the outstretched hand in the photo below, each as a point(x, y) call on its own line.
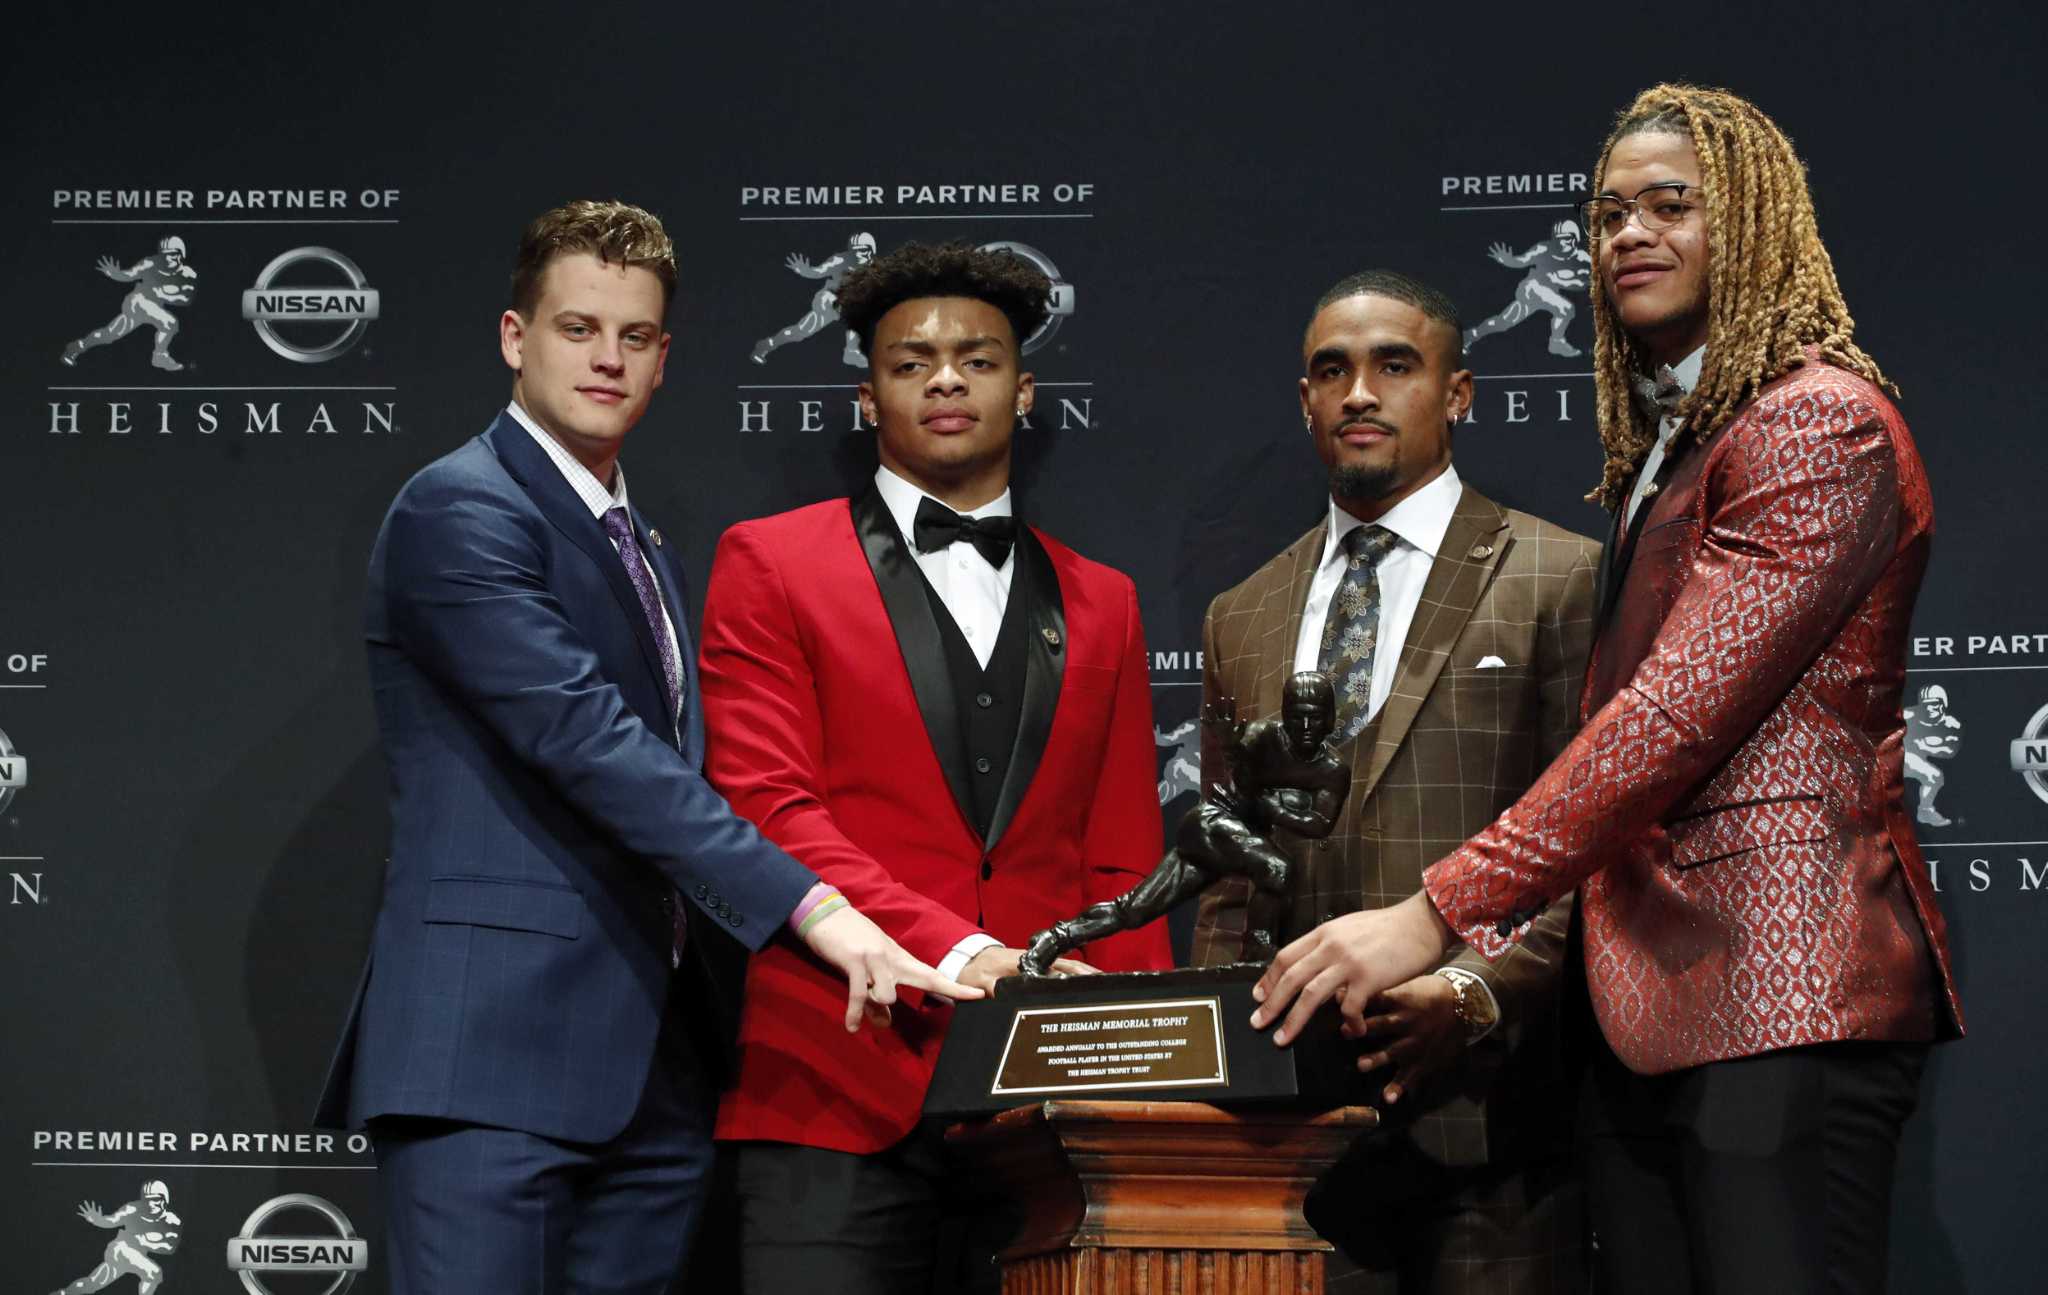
point(875, 967)
point(1349, 959)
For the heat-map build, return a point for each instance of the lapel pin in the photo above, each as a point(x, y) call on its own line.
point(654, 535)
point(1651, 489)
point(1481, 552)
point(1052, 637)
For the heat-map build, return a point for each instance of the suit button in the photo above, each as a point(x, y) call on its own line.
point(1504, 928)
point(713, 899)
point(700, 890)
point(1323, 846)
point(981, 764)
point(983, 700)
point(734, 919)
point(987, 870)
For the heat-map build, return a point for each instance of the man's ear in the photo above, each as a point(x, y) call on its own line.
point(512, 339)
point(865, 393)
point(1460, 402)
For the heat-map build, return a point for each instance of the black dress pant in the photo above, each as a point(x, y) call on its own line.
point(1405, 1225)
point(1769, 1173)
point(898, 1222)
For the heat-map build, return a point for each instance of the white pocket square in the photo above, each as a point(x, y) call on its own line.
point(1490, 663)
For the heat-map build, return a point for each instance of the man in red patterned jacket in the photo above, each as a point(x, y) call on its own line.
point(1763, 952)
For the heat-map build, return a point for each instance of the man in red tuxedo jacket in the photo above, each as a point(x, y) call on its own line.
point(945, 714)
point(1764, 955)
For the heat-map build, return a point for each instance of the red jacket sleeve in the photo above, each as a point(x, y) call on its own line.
point(764, 744)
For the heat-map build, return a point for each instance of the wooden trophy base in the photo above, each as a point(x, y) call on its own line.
point(1148, 1198)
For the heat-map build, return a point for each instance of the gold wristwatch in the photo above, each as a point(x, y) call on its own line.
point(1471, 1003)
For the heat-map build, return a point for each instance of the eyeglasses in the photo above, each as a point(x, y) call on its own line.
point(1657, 208)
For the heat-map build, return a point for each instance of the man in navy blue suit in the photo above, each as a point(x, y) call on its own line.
point(531, 1047)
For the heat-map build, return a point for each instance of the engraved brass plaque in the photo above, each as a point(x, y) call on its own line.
point(1104, 1046)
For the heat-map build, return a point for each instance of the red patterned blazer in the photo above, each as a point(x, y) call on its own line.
point(1733, 806)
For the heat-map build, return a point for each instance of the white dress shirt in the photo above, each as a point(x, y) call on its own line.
point(1687, 373)
point(600, 501)
point(976, 594)
point(1420, 521)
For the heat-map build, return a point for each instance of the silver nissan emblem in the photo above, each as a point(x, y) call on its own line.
point(352, 305)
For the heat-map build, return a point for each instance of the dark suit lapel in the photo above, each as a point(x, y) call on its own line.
point(566, 511)
point(1037, 584)
point(902, 587)
point(1610, 568)
point(1621, 543)
point(1474, 545)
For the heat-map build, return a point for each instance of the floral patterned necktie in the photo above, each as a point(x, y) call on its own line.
point(1351, 630)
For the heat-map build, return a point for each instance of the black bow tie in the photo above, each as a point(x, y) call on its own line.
point(937, 526)
point(1658, 397)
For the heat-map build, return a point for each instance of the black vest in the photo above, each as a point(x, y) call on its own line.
point(989, 701)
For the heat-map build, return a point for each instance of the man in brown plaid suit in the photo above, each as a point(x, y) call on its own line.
point(1456, 633)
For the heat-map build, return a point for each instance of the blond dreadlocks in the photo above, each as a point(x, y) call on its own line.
point(1773, 289)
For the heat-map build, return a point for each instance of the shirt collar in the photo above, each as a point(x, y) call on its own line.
point(1687, 371)
point(581, 479)
point(1420, 520)
point(901, 498)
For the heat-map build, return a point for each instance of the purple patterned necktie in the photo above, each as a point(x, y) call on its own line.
point(620, 528)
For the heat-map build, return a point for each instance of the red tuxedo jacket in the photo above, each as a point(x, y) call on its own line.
point(1734, 803)
point(827, 704)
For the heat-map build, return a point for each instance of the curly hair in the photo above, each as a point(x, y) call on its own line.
point(617, 233)
point(1002, 279)
point(1773, 290)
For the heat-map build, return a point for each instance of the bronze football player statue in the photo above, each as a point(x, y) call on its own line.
point(1284, 775)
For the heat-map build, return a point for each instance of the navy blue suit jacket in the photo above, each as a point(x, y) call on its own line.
point(545, 811)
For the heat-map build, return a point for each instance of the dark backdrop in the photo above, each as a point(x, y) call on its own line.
point(192, 854)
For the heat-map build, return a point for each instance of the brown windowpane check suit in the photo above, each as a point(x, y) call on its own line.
point(1456, 743)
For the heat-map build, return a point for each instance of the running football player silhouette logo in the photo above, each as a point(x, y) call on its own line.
point(161, 282)
point(1556, 266)
point(824, 311)
point(148, 1232)
point(1183, 771)
point(1932, 733)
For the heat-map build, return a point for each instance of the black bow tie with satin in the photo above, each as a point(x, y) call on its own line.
point(938, 526)
point(1658, 397)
